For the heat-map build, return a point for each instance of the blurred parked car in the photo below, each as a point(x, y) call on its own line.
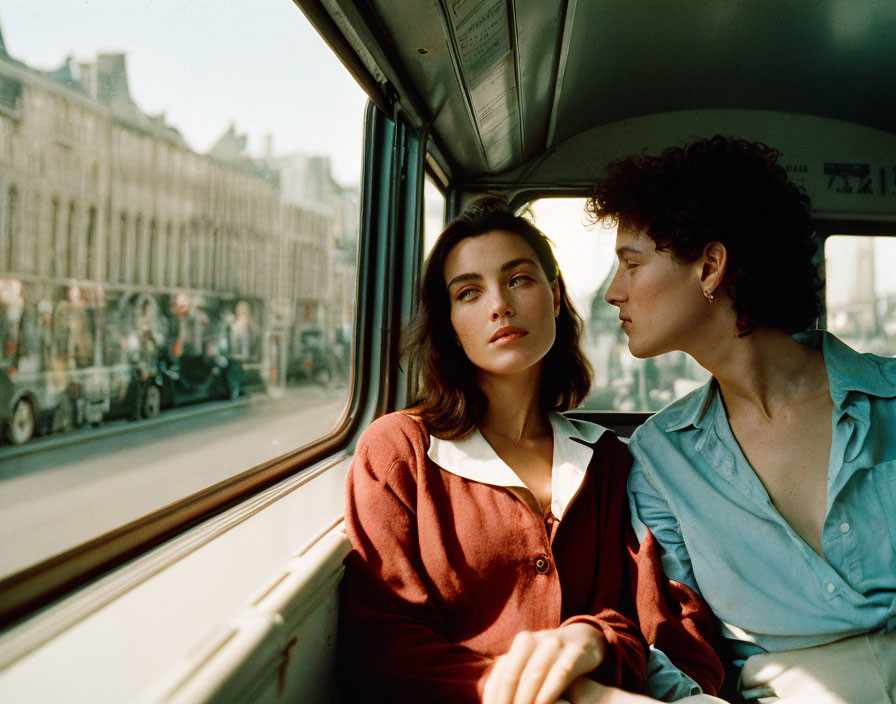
point(177, 381)
point(314, 361)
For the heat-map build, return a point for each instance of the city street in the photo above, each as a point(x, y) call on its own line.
point(79, 486)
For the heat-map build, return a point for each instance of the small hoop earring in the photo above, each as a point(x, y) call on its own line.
point(708, 296)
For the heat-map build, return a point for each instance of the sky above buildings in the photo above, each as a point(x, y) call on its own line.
point(207, 64)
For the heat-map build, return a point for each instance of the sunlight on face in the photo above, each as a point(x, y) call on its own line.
point(503, 307)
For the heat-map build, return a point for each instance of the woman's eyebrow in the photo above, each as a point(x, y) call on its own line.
point(464, 277)
point(504, 267)
point(516, 262)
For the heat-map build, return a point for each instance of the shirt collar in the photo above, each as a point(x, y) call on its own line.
point(849, 370)
point(690, 410)
point(473, 458)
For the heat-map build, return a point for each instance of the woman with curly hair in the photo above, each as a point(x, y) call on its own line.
point(493, 556)
point(772, 489)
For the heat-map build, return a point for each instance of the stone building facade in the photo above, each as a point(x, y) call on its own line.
point(96, 193)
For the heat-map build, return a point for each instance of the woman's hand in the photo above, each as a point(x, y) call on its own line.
point(540, 665)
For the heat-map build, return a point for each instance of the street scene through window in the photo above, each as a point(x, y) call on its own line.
point(178, 241)
point(860, 287)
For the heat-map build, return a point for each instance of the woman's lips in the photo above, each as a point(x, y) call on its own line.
point(504, 336)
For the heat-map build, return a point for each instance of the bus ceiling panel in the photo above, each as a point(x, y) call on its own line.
point(540, 27)
point(485, 71)
point(625, 58)
point(481, 47)
point(503, 79)
point(848, 170)
point(418, 43)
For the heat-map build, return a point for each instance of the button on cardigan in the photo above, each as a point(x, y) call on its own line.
point(446, 569)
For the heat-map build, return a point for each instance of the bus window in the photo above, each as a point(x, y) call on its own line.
point(177, 257)
point(433, 214)
point(860, 292)
point(587, 258)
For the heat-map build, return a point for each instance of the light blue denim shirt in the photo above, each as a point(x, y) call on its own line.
point(721, 534)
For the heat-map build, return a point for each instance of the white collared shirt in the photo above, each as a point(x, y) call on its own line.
point(473, 458)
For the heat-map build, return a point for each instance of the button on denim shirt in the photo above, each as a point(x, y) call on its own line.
point(693, 488)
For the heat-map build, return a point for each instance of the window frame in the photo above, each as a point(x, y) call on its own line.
point(390, 207)
point(829, 227)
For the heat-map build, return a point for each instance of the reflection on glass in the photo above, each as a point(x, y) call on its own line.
point(587, 259)
point(860, 291)
point(153, 274)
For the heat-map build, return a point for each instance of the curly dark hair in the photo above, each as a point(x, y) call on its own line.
point(730, 191)
point(448, 399)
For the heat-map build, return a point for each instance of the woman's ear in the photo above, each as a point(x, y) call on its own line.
point(714, 265)
point(555, 289)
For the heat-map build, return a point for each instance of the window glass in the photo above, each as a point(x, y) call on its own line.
point(433, 214)
point(587, 258)
point(179, 208)
point(860, 292)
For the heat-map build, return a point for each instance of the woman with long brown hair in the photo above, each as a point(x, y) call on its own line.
point(492, 557)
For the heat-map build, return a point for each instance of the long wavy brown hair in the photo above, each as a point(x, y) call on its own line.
point(448, 399)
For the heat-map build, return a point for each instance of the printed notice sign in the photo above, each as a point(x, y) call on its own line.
point(849, 178)
point(482, 35)
point(482, 41)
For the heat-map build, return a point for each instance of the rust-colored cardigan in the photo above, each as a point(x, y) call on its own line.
point(445, 572)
